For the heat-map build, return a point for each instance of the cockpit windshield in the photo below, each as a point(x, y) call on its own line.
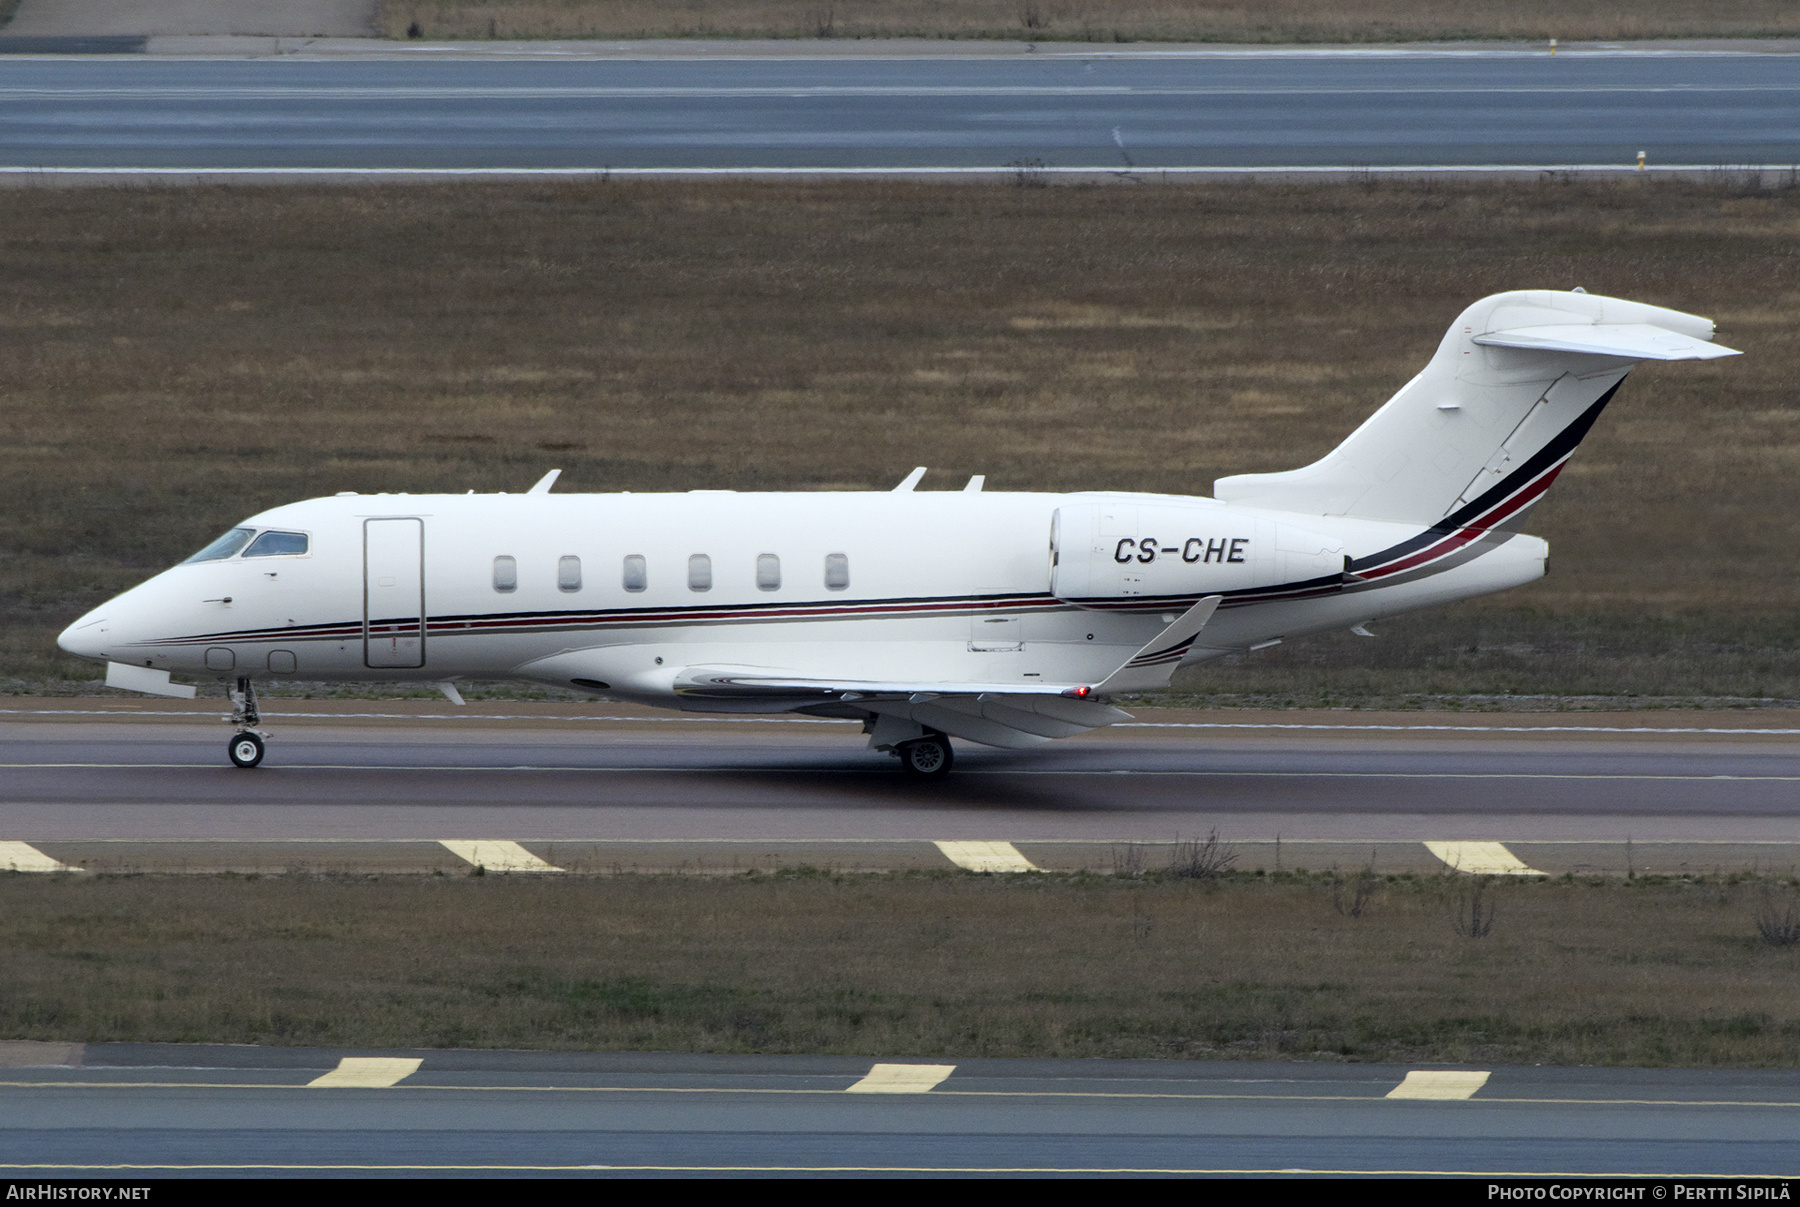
point(277, 544)
point(226, 546)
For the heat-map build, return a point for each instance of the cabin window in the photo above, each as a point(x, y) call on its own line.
point(699, 572)
point(837, 571)
point(568, 574)
point(278, 544)
point(506, 573)
point(637, 576)
point(768, 572)
point(226, 546)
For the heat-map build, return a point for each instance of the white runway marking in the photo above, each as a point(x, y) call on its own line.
point(1440, 1084)
point(498, 856)
point(368, 1072)
point(986, 856)
point(23, 857)
point(901, 1079)
point(1481, 858)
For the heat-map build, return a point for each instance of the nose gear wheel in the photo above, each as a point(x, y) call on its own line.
point(246, 750)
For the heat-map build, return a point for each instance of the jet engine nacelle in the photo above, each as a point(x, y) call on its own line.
point(1105, 552)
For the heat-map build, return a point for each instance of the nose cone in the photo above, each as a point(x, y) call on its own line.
point(88, 637)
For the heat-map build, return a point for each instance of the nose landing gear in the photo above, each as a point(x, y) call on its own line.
point(246, 748)
point(928, 757)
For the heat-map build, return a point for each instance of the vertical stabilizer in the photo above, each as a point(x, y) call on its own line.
point(1479, 435)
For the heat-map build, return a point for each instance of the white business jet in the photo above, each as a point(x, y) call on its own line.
point(1006, 619)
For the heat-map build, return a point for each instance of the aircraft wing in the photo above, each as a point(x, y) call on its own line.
point(995, 714)
point(729, 683)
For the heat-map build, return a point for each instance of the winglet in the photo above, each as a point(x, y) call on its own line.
point(544, 483)
point(1151, 667)
point(911, 480)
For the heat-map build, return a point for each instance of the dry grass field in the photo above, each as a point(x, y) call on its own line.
point(1252, 967)
point(172, 360)
point(1093, 20)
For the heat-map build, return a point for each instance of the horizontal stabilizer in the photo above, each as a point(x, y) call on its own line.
point(1637, 341)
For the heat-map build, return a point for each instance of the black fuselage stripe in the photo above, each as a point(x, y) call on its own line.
point(1558, 448)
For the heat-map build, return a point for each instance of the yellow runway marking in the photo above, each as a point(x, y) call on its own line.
point(901, 1079)
point(1481, 858)
point(1440, 1084)
point(23, 857)
point(498, 856)
point(367, 1072)
point(986, 856)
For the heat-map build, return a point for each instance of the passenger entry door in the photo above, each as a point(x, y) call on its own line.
point(394, 593)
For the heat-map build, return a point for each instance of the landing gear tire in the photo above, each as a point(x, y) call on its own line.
point(246, 750)
point(928, 757)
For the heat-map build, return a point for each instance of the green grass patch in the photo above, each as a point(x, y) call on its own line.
point(1247, 966)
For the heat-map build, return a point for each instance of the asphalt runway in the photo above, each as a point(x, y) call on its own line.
point(640, 776)
point(1115, 114)
point(237, 1111)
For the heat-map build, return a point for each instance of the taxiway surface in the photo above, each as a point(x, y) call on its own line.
point(611, 773)
point(237, 1111)
point(1109, 113)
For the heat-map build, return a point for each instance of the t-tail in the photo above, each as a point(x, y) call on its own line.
point(1471, 443)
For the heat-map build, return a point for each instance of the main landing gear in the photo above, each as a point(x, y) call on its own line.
point(246, 749)
point(928, 757)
